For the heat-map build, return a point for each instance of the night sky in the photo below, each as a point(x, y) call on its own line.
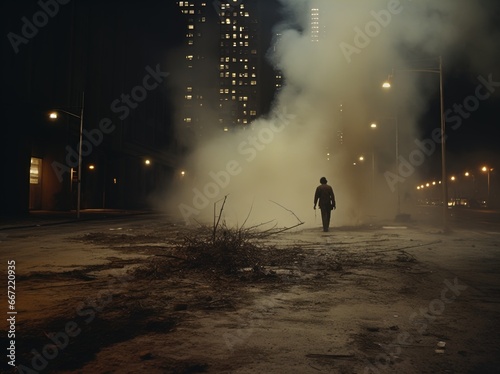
point(153, 31)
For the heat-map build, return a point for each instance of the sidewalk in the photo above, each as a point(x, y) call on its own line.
point(47, 218)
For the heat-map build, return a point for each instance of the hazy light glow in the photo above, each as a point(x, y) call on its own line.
point(329, 92)
point(53, 115)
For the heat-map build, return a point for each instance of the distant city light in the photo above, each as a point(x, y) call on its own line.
point(147, 162)
point(91, 167)
point(53, 115)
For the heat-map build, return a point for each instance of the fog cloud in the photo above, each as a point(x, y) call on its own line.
point(332, 89)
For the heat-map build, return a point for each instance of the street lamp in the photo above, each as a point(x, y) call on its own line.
point(54, 115)
point(467, 174)
point(374, 126)
point(439, 71)
point(487, 169)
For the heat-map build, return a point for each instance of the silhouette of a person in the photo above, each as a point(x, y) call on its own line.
point(326, 198)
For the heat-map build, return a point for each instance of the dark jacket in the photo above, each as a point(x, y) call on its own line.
point(324, 193)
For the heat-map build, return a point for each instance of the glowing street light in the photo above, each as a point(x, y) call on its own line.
point(487, 169)
point(54, 115)
point(467, 174)
point(438, 70)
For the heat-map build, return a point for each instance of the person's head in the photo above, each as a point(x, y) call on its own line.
point(323, 180)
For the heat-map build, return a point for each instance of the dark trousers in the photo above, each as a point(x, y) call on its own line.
point(325, 217)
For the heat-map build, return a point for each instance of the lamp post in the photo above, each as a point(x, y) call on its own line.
point(467, 174)
point(444, 191)
point(487, 170)
point(373, 126)
point(54, 115)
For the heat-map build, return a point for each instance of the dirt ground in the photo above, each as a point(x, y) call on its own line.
point(151, 299)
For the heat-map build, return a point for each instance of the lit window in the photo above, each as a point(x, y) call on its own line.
point(35, 170)
point(190, 27)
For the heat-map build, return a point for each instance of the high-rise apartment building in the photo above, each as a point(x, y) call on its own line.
point(315, 25)
point(194, 86)
point(238, 63)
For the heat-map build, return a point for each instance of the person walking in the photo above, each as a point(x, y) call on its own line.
point(324, 194)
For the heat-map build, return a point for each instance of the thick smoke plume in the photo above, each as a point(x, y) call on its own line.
point(320, 122)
